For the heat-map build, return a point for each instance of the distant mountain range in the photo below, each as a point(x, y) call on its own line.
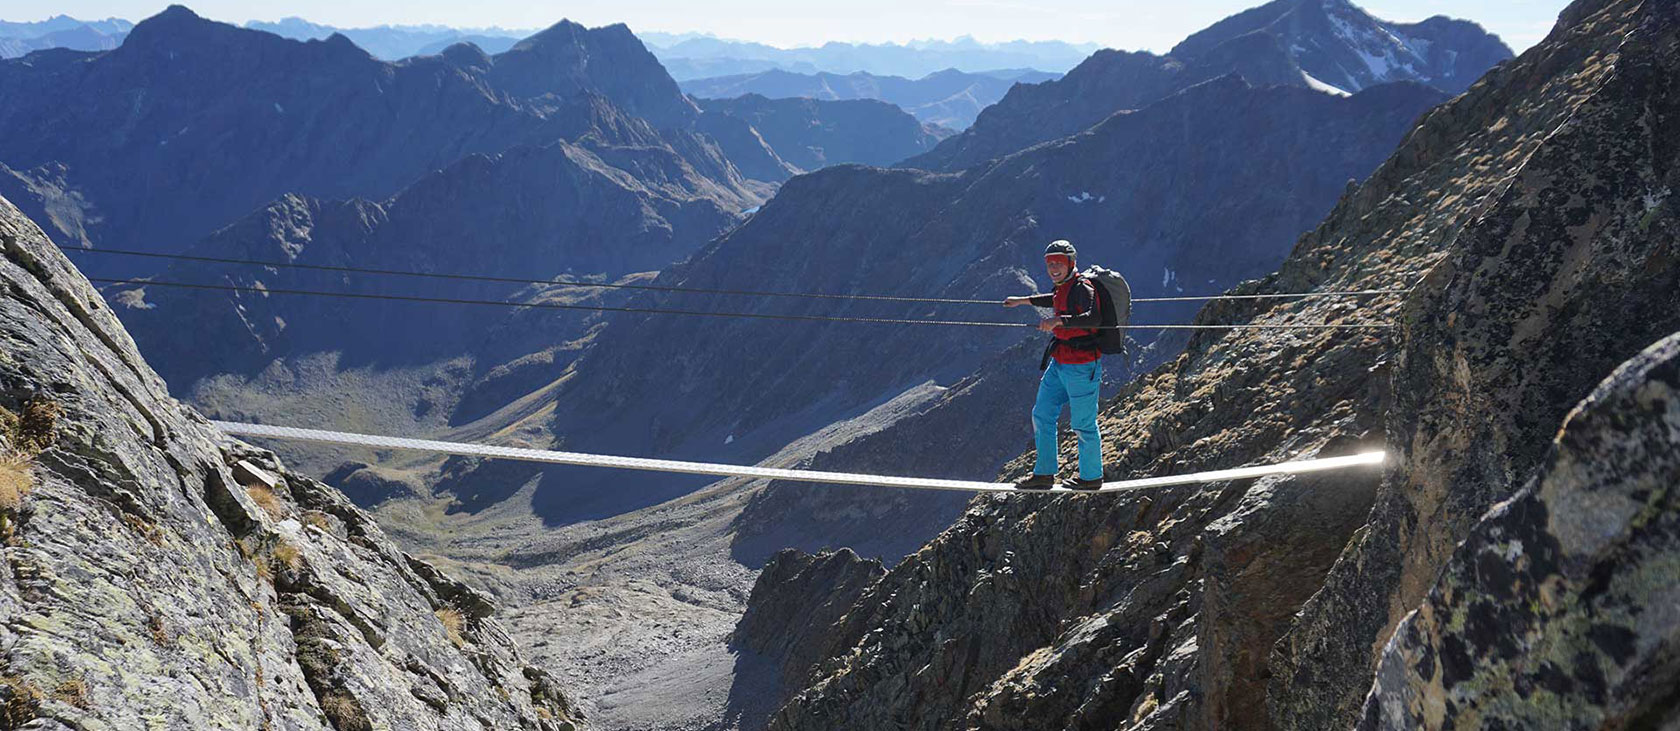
point(1329, 45)
point(61, 31)
point(393, 42)
point(948, 98)
point(693, 57)
point(192, 124)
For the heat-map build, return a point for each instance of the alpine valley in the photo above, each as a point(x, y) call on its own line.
point(214, 222)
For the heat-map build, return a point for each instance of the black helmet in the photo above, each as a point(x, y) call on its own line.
point(1062, 247)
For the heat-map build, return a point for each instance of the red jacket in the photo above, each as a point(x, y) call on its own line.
point(1075, 301)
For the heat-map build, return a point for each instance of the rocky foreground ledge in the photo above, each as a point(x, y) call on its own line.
point(158, 576)
point(1561, 610)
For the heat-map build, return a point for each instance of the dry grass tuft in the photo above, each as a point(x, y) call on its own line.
point(267, 500)
point(344, 713)
point(454, 623)
point(15, 481)
point(147, 530)
point(31, 431)
point(318, 519)
point(73, 692)
point(289, 556)
point(35, 428)
point(156, 628)
point(22, 704)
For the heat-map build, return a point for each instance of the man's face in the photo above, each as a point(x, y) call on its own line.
point(1059, 268)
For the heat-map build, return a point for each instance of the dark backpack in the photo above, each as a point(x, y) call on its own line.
point(1114, 303)
point(1114, 299)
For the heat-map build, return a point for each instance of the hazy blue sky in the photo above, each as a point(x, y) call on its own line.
point(1125, 24)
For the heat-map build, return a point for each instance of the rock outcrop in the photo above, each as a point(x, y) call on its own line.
point(157, 575)
point(796, 599)
point(1533, 216)
point(1329, 45)
point(1558, 609)
point(1567, 268)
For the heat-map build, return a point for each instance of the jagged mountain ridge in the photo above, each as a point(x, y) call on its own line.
point(394, 42)
point(1536, 207)
point(234, 118)
point(61, 31)
point(948, 98)
point(1341, 45)
point(152, 577)
point(1305, 43)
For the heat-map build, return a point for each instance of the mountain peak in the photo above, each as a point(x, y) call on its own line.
point(567, 58)
point(1340, 44)
point(176, 24)
point(564, 31)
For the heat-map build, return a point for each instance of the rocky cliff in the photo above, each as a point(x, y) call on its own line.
point(1329, 45)
point(1557, 609)
point(1532, 215)
point(157, 574)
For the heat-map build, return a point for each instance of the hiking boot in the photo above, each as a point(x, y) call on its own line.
point(1037, 482)
point(1083, 485)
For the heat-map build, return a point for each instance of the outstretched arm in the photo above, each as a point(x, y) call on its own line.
point(1036, 300)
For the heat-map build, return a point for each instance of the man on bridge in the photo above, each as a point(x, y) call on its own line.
point(1072, 370)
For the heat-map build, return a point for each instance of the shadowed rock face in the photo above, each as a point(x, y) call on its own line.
point(1546, 254)
point(811, 133)
point(1558, 609)
point(144, 583)
point(534, 211)
point(1284, 43)
point(796, 599)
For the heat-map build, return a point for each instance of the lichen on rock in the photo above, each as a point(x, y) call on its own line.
point(1561, 610)
point(144, 586)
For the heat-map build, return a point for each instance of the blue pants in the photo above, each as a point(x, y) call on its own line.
point(1075, 386)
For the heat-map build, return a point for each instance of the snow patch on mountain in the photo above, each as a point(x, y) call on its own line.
point(1317, 85)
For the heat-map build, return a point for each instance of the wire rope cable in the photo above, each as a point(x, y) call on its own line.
point(693, 290)
point(700, 313)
